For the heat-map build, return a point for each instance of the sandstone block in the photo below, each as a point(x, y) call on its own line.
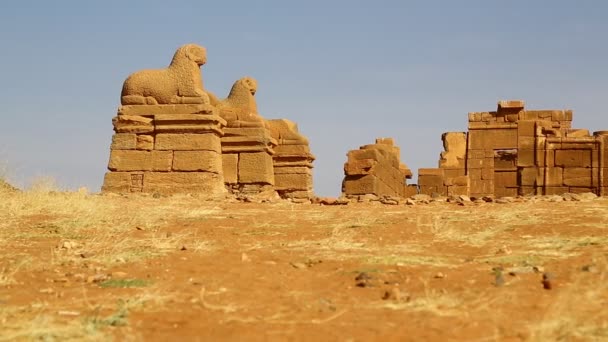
point(431, 172)
point(525, 158)
point(360, 167)
point(145, 142)
point(208, 161)
point(482, 187)
point(493, 139)
point(430, 180)
point(165, 109)
point(474, 117)
point(457, 190)
point(293, 181)
point(255, 168)
point(133, 160)
point(461, 181)
point(124, 141)
point(528, 176)
point(117, 182)
point(183, 182)
point(551, 176)
point(505, 179)
point(527, 143)
point(132, 124)
point(573, 158)
point(189, 142)
point(511, 104)
point(294, 150)
point(301, 170)
point(188, 123)
point(578, 177)
point(230, 167)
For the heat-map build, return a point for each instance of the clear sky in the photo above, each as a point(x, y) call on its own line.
point(345, 71)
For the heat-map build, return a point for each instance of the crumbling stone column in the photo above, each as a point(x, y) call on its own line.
point(376, 169)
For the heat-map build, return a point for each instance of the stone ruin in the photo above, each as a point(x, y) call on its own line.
point(515, 151)
point(173, 136)
point(376, 169)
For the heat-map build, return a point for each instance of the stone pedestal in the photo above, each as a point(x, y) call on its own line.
point(166, 149)
point(292, 161)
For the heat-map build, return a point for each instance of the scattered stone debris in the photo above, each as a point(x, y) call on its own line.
point(589, 268)
point(363, 279)
point(392, 294)
point(547, 281)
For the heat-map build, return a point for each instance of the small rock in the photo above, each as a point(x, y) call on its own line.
point(464, 198)
point(245, 258)
point(589, 268)
point(97, 278)
point(368, 198)
point(183, 248)
point(499, 280)
point(68, 313)
point(440, 275)
point(409, 201)
point(538, 269)
point(504, 250)
point(421, 197)
point(85, 255)
point(547, 281)
point(68, 245)
point(327, 201)
point(363, 279)
point(298, 265)
point(389, 200)
point(48, 290)
point(488, 199)
point(393, 294)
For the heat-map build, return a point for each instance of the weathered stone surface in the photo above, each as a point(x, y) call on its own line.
point(380, 160)
point(124, 141)
point(293, 181)
point(208, 161)
point(132, 124)
point(188, 142)
point(230, 167)
point(255, 168)
point(183, 182)
point(133, 160)
point(145, 142)
point(151, 110)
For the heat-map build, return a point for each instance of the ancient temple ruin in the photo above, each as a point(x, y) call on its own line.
point(516, 151)
point(377, 169)
point(173, 136)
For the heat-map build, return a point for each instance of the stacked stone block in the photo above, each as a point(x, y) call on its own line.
point(166, 149)
point(292, 161)
point(450, 177)
point(376, 169)
point(513, 151)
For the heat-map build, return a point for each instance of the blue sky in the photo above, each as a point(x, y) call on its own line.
point(345, 71)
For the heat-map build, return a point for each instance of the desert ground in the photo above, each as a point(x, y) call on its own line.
point(80, 266)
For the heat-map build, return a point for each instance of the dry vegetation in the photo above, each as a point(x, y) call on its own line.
point(86, 266)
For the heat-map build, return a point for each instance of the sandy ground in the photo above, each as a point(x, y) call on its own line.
point(88, 267)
